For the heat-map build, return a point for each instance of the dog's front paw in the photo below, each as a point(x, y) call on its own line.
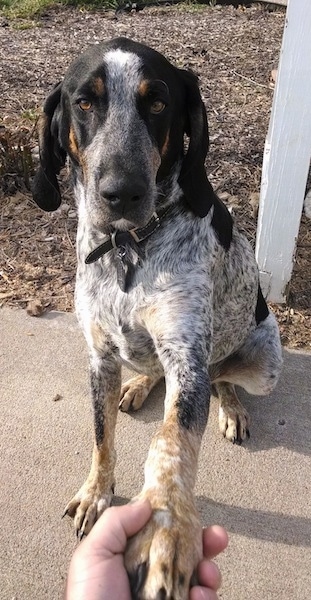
point(161, 559)
point(87, 505)
point(234, 423)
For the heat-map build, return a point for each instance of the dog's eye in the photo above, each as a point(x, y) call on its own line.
point(157, 107)
point(85, 104)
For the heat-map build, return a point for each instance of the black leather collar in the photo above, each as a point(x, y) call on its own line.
point(121, 239)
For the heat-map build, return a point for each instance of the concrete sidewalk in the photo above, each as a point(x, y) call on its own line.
point(261, 491)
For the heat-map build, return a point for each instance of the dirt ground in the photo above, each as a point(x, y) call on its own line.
point(232, 50)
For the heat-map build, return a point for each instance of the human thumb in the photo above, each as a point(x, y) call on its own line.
point(119, 523)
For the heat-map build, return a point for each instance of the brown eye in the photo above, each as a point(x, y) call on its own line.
point(157, 107)
point(85, 104)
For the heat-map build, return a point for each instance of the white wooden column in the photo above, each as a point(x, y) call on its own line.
point(286, 155)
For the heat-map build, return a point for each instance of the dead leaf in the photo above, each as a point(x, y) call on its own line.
point(254, 202)
point(33, 273)
point(232, 202)
point(273, 77)
point(35, 308)
point(307, 205)
point(4, 276)
point(223, 196)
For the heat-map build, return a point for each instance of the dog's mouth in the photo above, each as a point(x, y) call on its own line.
point(123, 224)
point(108, 224)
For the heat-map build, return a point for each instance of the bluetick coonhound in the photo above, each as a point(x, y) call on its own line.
point(165, 285)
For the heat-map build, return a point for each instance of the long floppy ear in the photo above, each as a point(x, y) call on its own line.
point(193, 179)
point(45, 188)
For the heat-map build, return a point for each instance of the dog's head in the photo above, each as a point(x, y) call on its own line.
point(121, 113)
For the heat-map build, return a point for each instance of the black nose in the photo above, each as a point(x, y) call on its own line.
point(120, 195)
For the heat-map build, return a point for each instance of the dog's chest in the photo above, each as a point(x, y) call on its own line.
point(121, 316)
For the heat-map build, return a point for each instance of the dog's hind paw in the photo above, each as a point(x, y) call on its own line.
point(234, 423)
point(233, 418)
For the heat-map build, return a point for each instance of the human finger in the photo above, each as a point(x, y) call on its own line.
point(202, 593)
point(209, 575)
point(215, 540)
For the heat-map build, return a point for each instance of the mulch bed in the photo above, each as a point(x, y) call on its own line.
point(233, 50)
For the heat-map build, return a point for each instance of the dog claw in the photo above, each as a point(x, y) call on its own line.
point(64, 513)
point(81, 535)
point(137, 579)
point(194, 579)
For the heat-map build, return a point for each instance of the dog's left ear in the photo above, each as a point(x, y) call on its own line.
point(193, 179)
point(45, 188)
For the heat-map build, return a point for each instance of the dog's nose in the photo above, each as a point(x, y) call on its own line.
point(120, 195)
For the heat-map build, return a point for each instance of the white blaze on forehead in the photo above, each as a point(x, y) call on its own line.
point(123, 73)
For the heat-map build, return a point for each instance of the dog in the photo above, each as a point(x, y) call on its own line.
point(166, 285)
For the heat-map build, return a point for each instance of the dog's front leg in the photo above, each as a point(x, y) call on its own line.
point(96, 493)
point(161, 559)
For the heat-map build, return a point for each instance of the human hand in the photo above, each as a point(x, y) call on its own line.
point(97, 569)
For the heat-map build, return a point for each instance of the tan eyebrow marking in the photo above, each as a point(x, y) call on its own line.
point(73, 143)
point(143, 87)
point(76, 152)
point(98, 86)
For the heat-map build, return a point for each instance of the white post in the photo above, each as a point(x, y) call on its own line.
point(286, 155)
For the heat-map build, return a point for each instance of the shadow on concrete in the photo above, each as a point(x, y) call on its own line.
point(264, 525)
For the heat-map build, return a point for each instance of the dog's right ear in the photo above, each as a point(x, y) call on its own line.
point(45, 188)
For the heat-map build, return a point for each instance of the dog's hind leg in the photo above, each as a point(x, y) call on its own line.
point(256, 367)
